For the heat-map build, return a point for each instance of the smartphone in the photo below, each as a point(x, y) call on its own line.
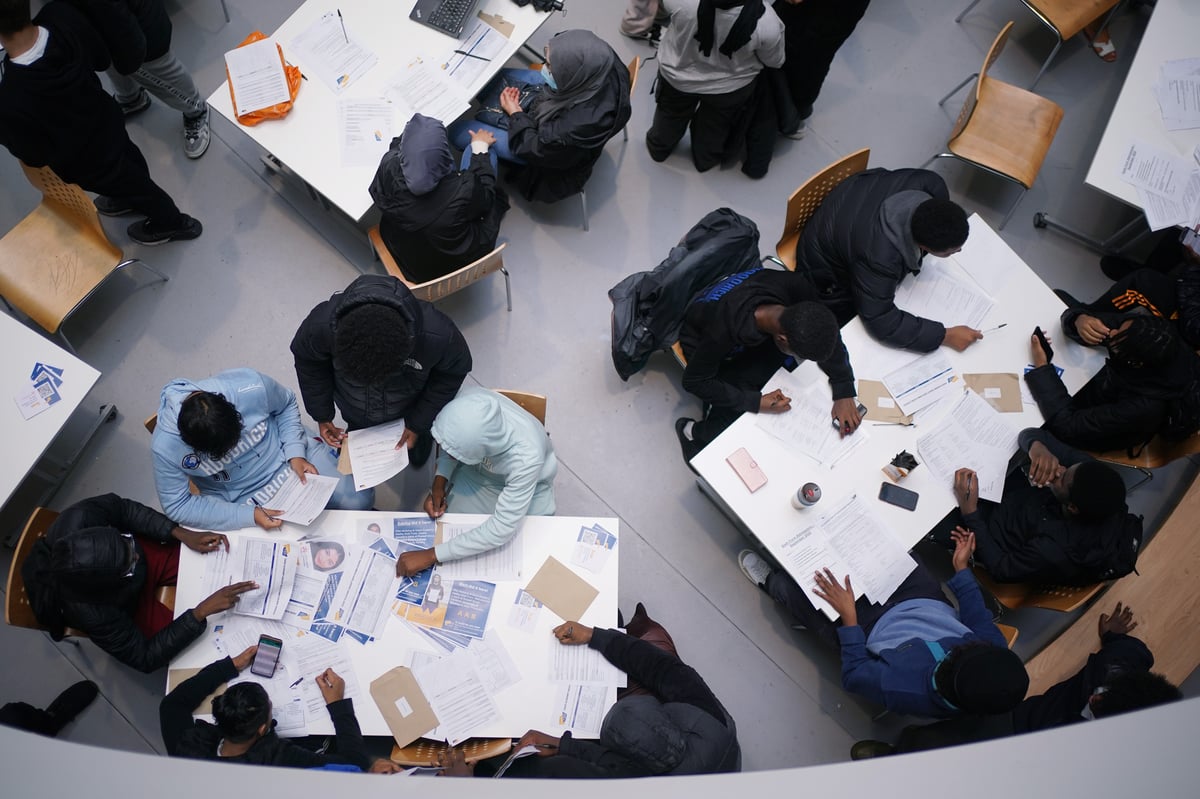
point(267, 657)
point(747, 469)
point(862, 412)
point(1046, 348)
point(900, 497)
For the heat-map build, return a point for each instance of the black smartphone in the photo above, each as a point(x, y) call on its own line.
point(1046, 348)
point(862, 412)
point(900, 497)
point(267, 658)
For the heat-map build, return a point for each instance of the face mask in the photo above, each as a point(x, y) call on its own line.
point(549, 77)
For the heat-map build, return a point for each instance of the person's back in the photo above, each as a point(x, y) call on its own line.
point(690, 70)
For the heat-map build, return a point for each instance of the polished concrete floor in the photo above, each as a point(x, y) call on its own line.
point(269, 253)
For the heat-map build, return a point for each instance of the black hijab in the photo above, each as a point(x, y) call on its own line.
point(739, 34)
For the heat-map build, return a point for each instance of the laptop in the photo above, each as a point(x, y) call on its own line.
point(447, 16)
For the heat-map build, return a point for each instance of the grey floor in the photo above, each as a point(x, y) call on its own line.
point(269, 253)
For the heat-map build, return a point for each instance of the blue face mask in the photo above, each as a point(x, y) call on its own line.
point(549, 77)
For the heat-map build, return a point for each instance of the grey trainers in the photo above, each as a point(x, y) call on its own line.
point(196, 135)
point(754, 567)
point(137, 105)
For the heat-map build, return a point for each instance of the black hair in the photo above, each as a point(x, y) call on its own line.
point(209, 423)
point(371, 341)
point(939, 225)
point(1133, 690)
point(981, 678)
point(14, 16)
point(1097, 491)
point(241, 711)
point(1146, 343)
point(811, 330)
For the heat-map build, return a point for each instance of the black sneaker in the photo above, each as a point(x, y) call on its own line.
point(145, 233)
point(135, 106)
point(112, 206)
point(71, 702)
point(689, 447)
point(864, 750)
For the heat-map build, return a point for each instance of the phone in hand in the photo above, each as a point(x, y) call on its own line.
point(862, 411)
point(747, 469)
point(267, 658)
point(900, 497)
point(1046, 348)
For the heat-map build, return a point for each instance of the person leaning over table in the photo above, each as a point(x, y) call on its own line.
point(98, 570)
point(499, 460)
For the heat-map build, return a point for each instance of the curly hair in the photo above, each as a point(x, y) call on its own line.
point(1134, 690)
point(940, 225)
point(811, 330)
point(241, 711)
point(371, 342)
point(209, 423)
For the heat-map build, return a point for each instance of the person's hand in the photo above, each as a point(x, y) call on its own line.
point(1091, 329)
point(510, 100)
point(333, 687)
point(222, 599)
point(331, 434)
point(840, 597)
point(846, 411)
point(243, 661)
point(966, 490)
point(381, 765)
point(775, 402)
point(1119, 623)
point(265, 518)
point(484, 135)
point(964, 548)
point(1044, 468)
point(454, 763)
point(1037, 355)
point(408, 439)
point(302, 467)
point(546, 745)
point(199, 541)
point(960, 337)
point(435, 501)
point(410, 563)
point(572, 633)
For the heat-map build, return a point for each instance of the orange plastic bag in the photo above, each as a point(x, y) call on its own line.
point(279, 110)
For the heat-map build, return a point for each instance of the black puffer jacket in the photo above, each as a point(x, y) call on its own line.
point(73, 580)
point(854, 257)
point(135, 31)
point(417, 392)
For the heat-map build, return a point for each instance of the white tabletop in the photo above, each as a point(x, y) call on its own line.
point(28, 439)
point(1171, 34)
point(527, 705)
point(306, 140)
point(1022, 302)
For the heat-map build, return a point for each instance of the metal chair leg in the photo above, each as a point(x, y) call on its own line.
point(507, 289)
point(1008, 216)
point(1050, 58)
point(583, 203)
point(225, 10)
point(966, 10)
point(625, 132)
point(954, 91)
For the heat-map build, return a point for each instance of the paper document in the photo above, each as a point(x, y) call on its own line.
point(301, 503)
point(328, 50)
point(313, 655)
point(1168, 186)
point(943, 293)
point(517, 754)
point(365, 129)
point(580, 708)
point(1178, 93)
point(256, 77)
point(523, 615)
point(1002, 390)
point(807, 427)
point(271, 564)
point(1163, 212)
point(421, 88)
point(974, 436)
point(922, 382)
point(373, 452)
point(44, 382)
point(363, 593)
point(493, 663)
point(502, 563)
point(457, 695)
point(592, 548)
point(562, 590)
point(582, 664)
point(473, 54)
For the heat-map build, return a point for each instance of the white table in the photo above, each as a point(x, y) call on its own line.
point(306, 140)
point(527, 705)
point(1023, 303)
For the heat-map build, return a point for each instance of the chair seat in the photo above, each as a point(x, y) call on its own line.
point(1069, 17)
point(1009, 132)
point(424, 752)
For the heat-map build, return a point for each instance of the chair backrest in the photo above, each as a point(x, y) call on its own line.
point(635, 66)
point(805, 200)
point(1065, 598)
point(424, 752)
point(677, 351)
point(993, 53)
point(1069, 17)
point(151, 423)
point(445, 285)
point(1159, 452)
point(17, 610)
point(535, 404)
point(71, 203)
point(1009, 632)
point(968, 108)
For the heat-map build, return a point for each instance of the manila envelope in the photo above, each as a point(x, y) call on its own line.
point(344, 466)
point(176, 676)
point(403, 705)
point(879, 403)
point(561, 590)
point(499, 23)
point(1002, 390)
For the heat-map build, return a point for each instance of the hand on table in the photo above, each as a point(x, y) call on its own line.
point(1120, 622)
point(966, 490)
point(1044, 468)
point(840, 597)
point(964, 548)
point(960, 337)
point(243, 661)
point(410, 563)
point(774, 402)
point(846, 411)
point(222, 599)
point(546, 745)
point(201, 542)
point(572, 633)
point(333, 687)
point(331, 434)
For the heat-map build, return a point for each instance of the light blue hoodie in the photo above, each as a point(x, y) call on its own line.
point(272, 434)
point(500, 460)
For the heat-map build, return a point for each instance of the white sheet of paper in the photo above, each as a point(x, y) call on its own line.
point(366, 127)
point(807, 427)
point(1164, 212)
point(301, 503)
point(524, 612)
point(1148, 167)
point(364, 593)
point(1178, 93)
point(33, 401)
point(873, 554)
point(272, 564)
point(328, 50)
point(939, 293)
point(493, 663)
point(420, 88)
point(373, 453)
point(973, 435)
point(503, 563)
point(805, 553)
point(313, 655)
point(457, 695)
point(579, 708)
point(479, 46)
point(582, 664)
point(923, 382)
point(257, 77)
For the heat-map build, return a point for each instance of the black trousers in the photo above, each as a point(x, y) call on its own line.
point(128, 178)
point(25, 716)
point(749, 369)
point(813, 32)
point(714, 120)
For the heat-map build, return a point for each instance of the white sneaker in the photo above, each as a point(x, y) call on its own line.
point(754, 567)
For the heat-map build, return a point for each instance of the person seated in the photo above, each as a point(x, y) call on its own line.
point(913, 654)
point(499, 460)
point(1149, 377)
point(554, 122)
point(239, 455)
point(245, 732)
point(872, 231)
point(712, 93)
point(735, 336)
point(379, 354)
point(1115, 680)
point(1065, 524)
point(98, 570)
point(435, 218)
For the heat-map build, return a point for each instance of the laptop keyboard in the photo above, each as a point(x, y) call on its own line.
point(451, 14)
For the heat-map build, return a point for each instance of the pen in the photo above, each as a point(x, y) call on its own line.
point(895, 424)
point(994, 329)
point(297, 682)
point(343, 24)
point(472, 55)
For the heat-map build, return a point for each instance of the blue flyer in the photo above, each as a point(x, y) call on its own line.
point(468, 606)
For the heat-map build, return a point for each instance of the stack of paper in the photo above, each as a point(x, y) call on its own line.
point(974, 436)
point(944, 293)
point(807, 428)
point(327, 50)
point(1168, 186)
point(922, 382)
point(1178, 93)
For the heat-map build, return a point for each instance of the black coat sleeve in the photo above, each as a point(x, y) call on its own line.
point(1097, 418)
point(594, 760)
point(701, 378)
point(114, 631)
point(447, 371)
point(176, 709)
point(110, 510)
point(483, 192)
point(666, 676)
point(875, 299)
point(312, 350)
point(1037, 559)
point(525, 142)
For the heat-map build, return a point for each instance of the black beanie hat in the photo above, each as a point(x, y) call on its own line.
point(988, 680)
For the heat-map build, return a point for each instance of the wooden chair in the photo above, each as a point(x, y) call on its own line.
point(1010, 634)
point(445, 285)
point(635, 66)
point(58, 256)
point(424, 752)
point(151, 424)
point(535, 404)
point(1002, 129)
point(677, 351)
point(1064, 17)
point(1158, 452)
point(1064, 598)
point(804, 202)
point(17, 610)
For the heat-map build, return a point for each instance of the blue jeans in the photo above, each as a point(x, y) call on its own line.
point(492, 118)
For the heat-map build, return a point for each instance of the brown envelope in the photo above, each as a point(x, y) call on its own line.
point(176, 676)
point(879, 403)
point(562, 590)
point(403, 705)
point(499, 23)
point(344, 466)
point(1002, 390)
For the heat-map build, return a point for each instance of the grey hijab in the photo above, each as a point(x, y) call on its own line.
point(425, 154)
point(581, 62)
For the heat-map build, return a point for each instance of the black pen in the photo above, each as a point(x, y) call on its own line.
point(297, 682)
point(472, 55)
point(343, 24)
